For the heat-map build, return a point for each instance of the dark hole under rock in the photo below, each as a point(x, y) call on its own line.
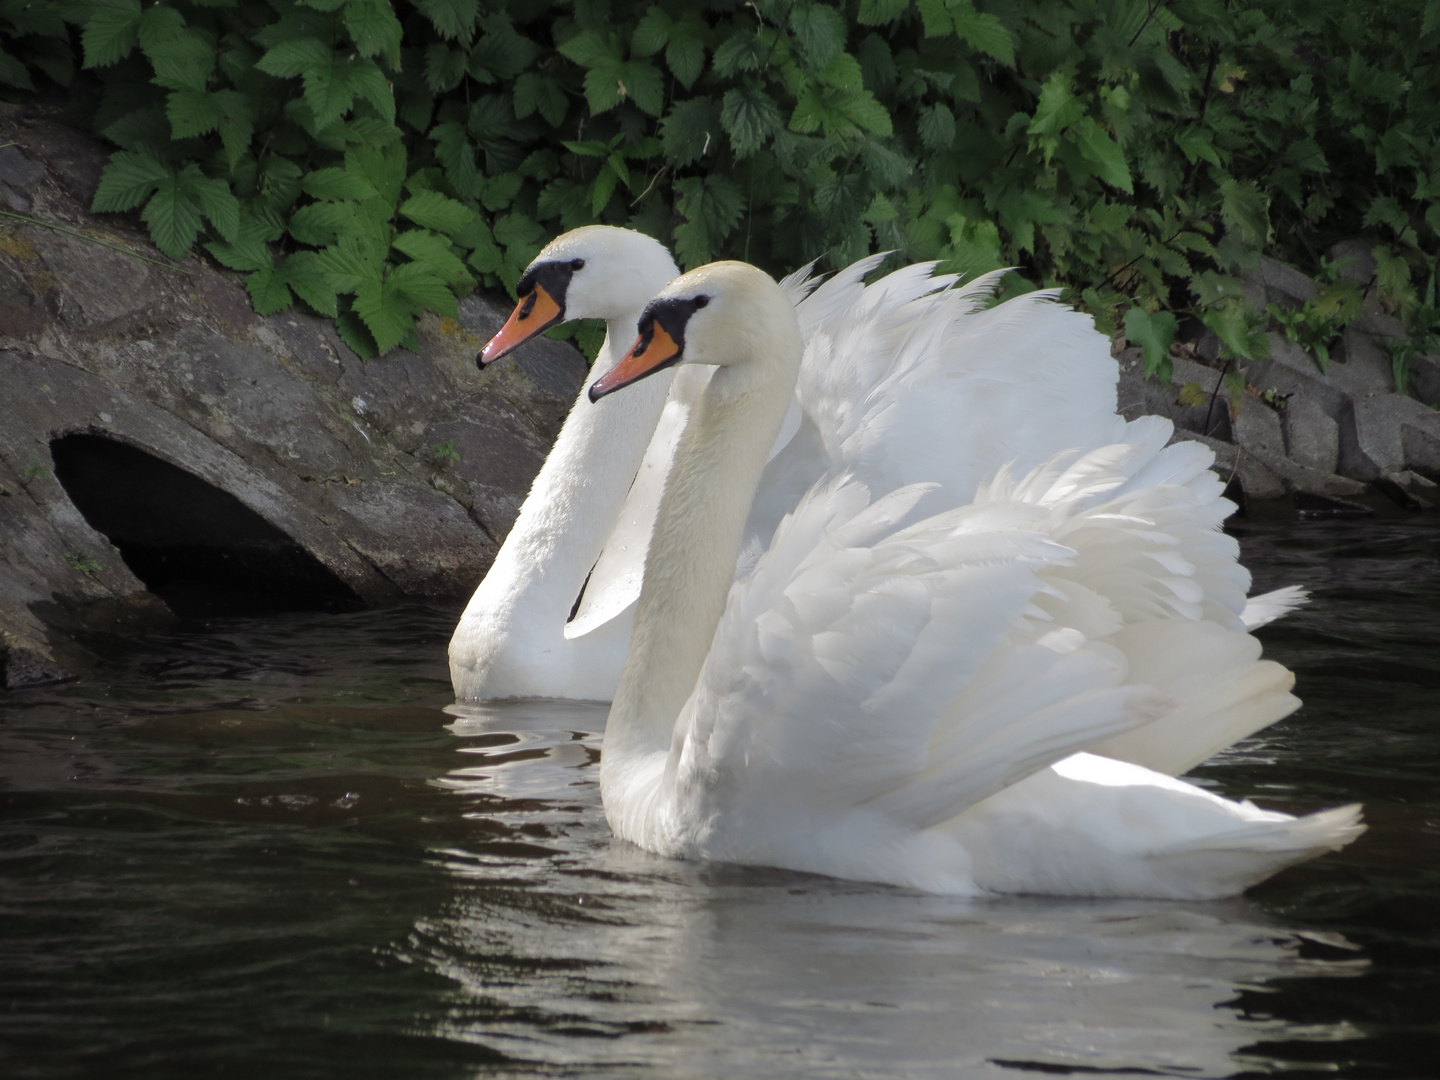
point(198, 548)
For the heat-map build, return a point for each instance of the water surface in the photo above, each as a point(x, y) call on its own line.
point(273, 847)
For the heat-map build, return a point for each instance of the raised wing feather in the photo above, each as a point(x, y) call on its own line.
point(912, 670)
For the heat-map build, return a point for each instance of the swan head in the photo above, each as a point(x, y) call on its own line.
point(729, 314)
point(598, 272)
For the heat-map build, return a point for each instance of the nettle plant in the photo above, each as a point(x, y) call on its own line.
point(371, 160)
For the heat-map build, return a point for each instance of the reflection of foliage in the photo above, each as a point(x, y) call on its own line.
point(371, 160)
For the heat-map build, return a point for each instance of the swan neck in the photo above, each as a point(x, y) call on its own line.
point(576, 496)
point(691, 562)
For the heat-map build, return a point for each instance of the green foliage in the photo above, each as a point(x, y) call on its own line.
point(444, 453)
point(372, 160)
point(83, 562)
point(1318, 324)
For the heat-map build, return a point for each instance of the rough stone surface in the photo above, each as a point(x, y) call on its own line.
point(337, 453)
point(1312, 437)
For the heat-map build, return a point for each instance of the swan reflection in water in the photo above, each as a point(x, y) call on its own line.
point(569, 949)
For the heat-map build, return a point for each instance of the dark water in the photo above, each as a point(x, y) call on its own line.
point(273, 848)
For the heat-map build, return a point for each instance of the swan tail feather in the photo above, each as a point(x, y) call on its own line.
point(1264, 609)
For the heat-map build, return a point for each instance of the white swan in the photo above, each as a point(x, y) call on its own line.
point(912, 702)
point(552, 617)
point(510, 641)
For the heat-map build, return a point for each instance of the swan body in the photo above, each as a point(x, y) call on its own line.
point(552, 617)
point(925, 690)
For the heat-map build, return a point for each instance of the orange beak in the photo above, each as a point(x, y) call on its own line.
point(535, 313)
point(650, 353)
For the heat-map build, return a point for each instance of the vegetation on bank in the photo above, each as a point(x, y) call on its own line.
point(369, 159)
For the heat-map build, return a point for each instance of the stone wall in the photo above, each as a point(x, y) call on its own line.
point(329, 461)
point(1337, 441)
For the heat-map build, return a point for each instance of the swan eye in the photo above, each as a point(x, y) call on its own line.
point(701, 301)
point(577, 264)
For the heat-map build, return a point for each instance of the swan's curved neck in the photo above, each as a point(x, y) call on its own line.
point(578, 492)
point(692, 556)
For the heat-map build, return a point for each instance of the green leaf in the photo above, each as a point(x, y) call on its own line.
point(601, 190)
point(335, 183)
point(127, 181)
point(501, 53)
point(819, 31)
point(1058, 107)
point(593, 48)
point(111, 31)
point(452, 18)
point(374, 28)
point(749, 116)
point(685, 55)
point(645, 86)
point(268, 291)
point(13, 72)
point(1154, 333)
point(500, 192)
point(183, 61)
point(294, 57)
point(323, 223)
point(368, 82)
point(353, 332)
point(937, 127)
point(983, 32)
point(651, 33)
point(419, 284)
point(540, 93)
point(433, 252)
point(174, 217)
point(689, 129)
point(435, 211)
point(347, 266)
point(444, 67)
point(385, 312)
point(1100, 150)
point(863, 109)
point(1245, 208)
point(880, 12)
point(246, 253)
point(216, 200)
point(193, 112)
point(742, 51)
point(1195, 143)
point(936, 17)
point(305, 273)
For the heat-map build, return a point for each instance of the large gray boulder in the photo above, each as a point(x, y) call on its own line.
point(153, 428)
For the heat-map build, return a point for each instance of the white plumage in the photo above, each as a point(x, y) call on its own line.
point(947, 392)
point(914, 683)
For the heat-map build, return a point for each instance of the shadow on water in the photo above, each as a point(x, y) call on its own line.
point(274, 847)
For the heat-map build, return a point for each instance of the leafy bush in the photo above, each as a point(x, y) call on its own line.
point(371, 159)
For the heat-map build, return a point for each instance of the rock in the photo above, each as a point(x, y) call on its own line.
point(1364, 367)
point(1283, 285)
point(19, 176)
point(1258, 432)
point(1139, 396)
point(152, 426)
point(22, 667)
point(1387, 434)
point(1425, 377)
point(1312, 437)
